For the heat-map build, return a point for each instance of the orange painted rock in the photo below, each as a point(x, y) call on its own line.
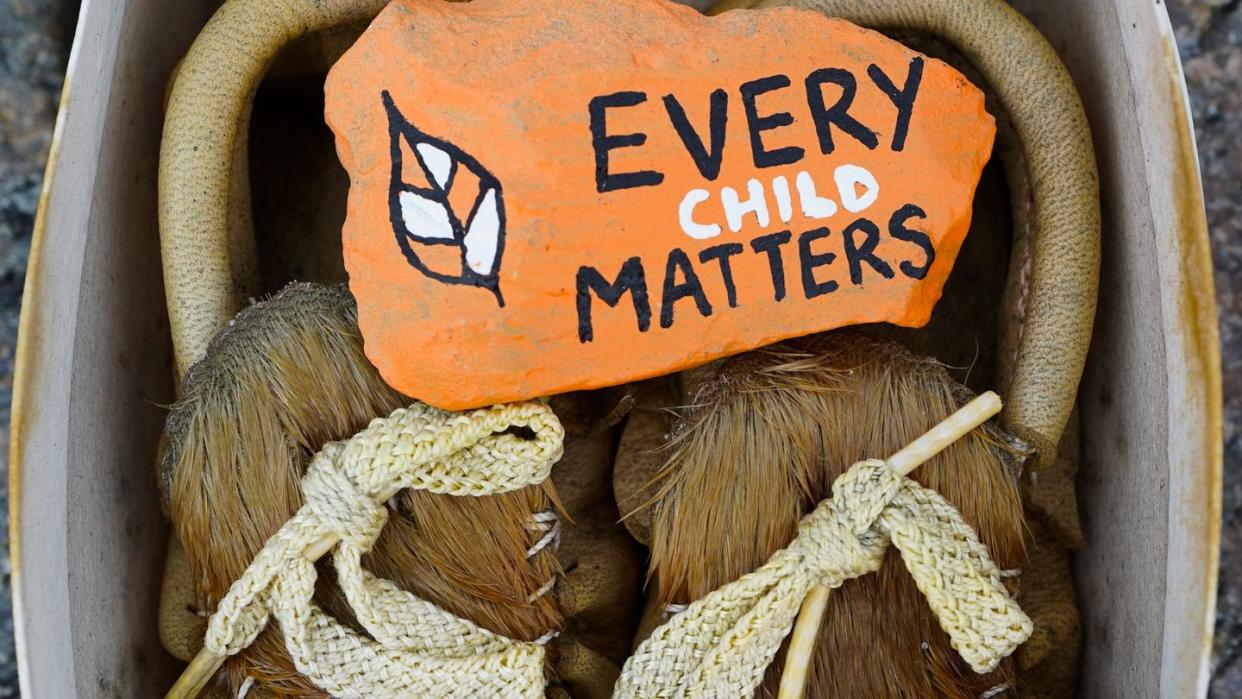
point(549, 196)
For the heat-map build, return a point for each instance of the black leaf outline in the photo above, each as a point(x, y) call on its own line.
point(400, 128)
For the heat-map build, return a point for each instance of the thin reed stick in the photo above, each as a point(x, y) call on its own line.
point(806, 629)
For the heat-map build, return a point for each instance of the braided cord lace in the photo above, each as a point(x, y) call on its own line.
point(721, 644)
point(414, 647)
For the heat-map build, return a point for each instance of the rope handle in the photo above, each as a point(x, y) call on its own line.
point(207, 256)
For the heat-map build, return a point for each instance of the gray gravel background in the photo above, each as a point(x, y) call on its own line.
point(34, 45)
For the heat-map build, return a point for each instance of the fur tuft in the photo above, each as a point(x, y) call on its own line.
point(287, 376)
point(758, 447)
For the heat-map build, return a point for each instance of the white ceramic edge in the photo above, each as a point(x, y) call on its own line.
point(1154, 568)
point(45, 347)
point(1194, 398)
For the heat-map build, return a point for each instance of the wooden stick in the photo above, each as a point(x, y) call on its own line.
point(196, 675)
point(810, 617)
point(802, 644)
point(205, 664)
point(938, 438)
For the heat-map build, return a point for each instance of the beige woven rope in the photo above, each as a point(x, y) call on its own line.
point(721, 644)
point(415, 648)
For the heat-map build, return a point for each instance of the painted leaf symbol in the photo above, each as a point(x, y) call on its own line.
point(460, 244)
point(435, 161)
point(483, 235)
point(425, 218)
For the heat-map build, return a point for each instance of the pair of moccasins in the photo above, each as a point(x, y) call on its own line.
point(231, 230)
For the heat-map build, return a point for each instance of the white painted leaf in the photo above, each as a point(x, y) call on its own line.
point(438, 163)
point(425, 218)
point(483, 238)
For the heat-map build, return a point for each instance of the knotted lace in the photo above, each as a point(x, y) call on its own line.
point(415, 648)
point(722, 643)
